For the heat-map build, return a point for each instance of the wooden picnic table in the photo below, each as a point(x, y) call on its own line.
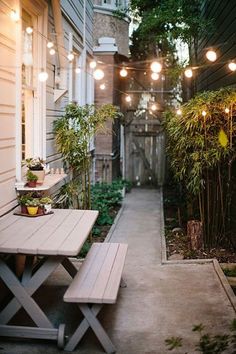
point(54, 238)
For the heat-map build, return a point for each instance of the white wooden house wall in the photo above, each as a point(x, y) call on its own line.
point(73, 22)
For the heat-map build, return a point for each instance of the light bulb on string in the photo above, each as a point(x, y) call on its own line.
point(128, 98)
point(14, 15)
point(155, 76)
point(179, 112)
point(70, 56)
point(188, 73)
point(156, 67)
point(50, 44)
point(52, 51)
point(204, 113)
point(29, 30)
point(232, 66)
point(123, 72)
point(43, 76)
point(102, 86)
point(98, 74)
point(153, 107)
point(77, 70)
point(227, 110)
point(211, 55)
point(93, 64)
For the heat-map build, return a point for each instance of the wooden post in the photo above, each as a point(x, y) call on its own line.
point(195, 234)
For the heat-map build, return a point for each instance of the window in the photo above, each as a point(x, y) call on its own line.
point(27, 85)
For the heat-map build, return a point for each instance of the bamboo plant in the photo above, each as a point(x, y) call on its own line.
point(202, 151)
point(73, 134)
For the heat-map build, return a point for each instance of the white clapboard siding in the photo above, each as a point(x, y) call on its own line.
point(7, 110)
point(99, 277)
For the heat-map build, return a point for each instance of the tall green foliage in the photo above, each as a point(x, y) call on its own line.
point(202, 152)
point(73, 134)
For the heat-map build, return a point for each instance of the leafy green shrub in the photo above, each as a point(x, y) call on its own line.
point(230, 272)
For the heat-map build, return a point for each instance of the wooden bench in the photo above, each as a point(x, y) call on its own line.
point(96, 283)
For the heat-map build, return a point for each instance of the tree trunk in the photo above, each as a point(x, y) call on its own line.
point(195, 234)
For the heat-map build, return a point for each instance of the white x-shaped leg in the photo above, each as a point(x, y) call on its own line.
point(90, 320)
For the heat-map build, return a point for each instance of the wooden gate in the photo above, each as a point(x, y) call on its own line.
point(145, 158)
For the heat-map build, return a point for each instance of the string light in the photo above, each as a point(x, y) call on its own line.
point(98, 74)
point(227, 110)
point(128, 98)
point(52, 51)
point(77, 70)
point(70, 56)
point(156, 67)
point(93, 64)
point(14, 15)
point(29, 30)
point(232, 66)
point(153, 107)
point(123, 72)
point(50, 45)
point(155, 76)
point(43, 76)
point(102, 86)
point(188, 73)
point(211, 55)
point(179, 112)
point(204, 113)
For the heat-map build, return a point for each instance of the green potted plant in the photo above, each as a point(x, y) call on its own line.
point(36, 165)
point(31, 179)
point(46, 202)
point(23, 200)
point(32, 206)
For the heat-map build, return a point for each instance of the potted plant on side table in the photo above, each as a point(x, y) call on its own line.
point(46, 202)
point(36, 165)
point(23, 200)
point(31, 179)
point(32, 206)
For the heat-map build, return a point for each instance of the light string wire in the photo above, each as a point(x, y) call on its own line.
point(124, 64)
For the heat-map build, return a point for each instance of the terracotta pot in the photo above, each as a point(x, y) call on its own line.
point(24, 209)
point(32, 210)
point(31, 184)
point(40, 211)
point(40, 174)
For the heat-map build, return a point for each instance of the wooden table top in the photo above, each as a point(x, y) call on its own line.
point(61, 233)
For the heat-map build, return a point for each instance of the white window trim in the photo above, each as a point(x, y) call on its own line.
point(38, 9)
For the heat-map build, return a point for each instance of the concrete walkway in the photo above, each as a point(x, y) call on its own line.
point(159, 301)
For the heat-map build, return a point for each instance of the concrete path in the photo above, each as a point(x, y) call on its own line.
point(159, 301)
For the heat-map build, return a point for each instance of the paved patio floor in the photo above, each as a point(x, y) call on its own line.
point(159, 301)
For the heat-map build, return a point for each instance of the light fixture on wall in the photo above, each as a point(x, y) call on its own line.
point(98, 74)
point(43, 76)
